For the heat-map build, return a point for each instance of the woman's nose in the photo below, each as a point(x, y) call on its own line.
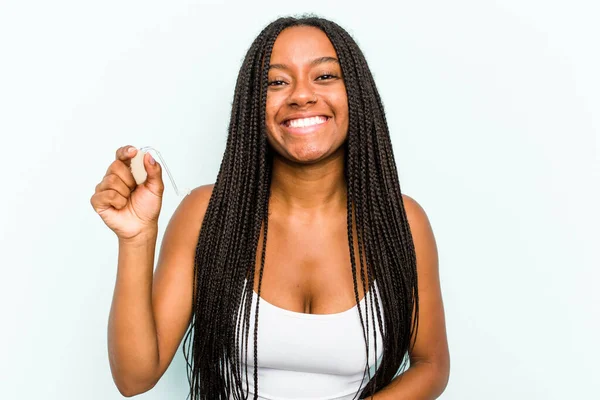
point(301, 95)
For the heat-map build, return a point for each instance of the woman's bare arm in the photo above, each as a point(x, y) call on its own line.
point(429, 369)
point(151, 311)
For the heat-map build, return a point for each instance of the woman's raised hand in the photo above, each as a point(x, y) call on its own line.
point(128, 209)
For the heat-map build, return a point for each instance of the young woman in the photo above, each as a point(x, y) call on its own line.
point(303, 272)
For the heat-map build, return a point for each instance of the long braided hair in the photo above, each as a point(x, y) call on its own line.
point(237, 215)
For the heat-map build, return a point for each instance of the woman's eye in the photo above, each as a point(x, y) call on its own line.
point(276, 83)
point(326, 77)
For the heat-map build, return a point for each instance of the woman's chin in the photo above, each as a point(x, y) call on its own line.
point(308, 149)
point(307, 154)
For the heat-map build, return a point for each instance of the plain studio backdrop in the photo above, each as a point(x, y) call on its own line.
point(494, 112)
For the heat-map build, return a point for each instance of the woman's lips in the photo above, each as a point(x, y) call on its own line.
point(305, 125)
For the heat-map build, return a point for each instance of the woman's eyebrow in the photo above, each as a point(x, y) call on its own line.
point(322, 60)
point(316, 61)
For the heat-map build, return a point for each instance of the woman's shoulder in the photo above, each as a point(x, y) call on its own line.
point(420, 225)
point(199, 197)
point(422, 234)
point(414, 211)
point(192, 208)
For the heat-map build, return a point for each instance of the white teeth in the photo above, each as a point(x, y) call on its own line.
point(304, 122)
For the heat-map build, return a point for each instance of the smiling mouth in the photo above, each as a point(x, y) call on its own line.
point(305, 122)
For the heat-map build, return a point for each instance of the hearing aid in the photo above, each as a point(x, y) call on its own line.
point(139, 172)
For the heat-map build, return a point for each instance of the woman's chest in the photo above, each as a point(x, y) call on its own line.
point(309, 270)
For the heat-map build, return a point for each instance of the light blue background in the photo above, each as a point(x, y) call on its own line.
point(494, 110)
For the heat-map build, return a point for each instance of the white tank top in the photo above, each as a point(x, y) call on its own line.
point(310, 356)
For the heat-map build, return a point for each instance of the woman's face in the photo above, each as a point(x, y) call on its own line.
point(307, 105)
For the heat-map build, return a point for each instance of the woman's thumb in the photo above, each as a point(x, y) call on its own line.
point(154, 180)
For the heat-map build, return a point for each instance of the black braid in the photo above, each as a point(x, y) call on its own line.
point(237, 215)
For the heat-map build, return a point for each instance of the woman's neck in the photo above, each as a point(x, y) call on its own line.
point(309, 188)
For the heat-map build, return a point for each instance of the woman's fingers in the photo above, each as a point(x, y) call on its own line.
point(114, 182)
point(122, 170)
point(106, 199)
point(125, 154)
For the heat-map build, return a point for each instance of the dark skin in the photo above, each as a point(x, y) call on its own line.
point(307, 266)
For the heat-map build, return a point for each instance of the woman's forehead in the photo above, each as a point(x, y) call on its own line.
point(301, 43)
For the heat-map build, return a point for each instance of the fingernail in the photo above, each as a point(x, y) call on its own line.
point(152, 160)
point(130, 150)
